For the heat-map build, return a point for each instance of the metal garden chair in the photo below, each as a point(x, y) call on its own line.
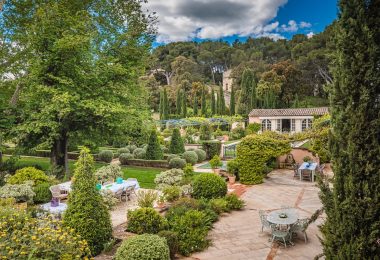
point(280, 235)
point(300, 226)
point(264, 222)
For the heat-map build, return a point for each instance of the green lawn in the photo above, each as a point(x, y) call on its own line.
point(306, 145)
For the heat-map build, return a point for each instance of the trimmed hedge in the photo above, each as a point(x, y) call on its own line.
point(177, 163)
point(211, 148)
point(123, 150)
point(147, 163)
point(145, 246)
point(190, 157)
point(171, 156)
point(201, 155)
point(145, 220)
point(139, 153)
point(176, 143)
point(105, 156)
point(124, 157)
point(43, 193)
point(153, 151)
point(209, 186)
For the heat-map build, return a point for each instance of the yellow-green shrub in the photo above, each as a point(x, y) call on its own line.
point(28, 174)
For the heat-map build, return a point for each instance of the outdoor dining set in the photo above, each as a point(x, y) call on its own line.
point(307, 171)
point(283, 224)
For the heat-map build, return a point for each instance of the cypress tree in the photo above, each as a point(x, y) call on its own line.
point(352, 226)
point(179, 101)
point(161, 106)
point(86, 211)
point(253, 94)
point(296, 101)
point(165, 106)
point(244, 102)
point(213, 102)
point(217, 106)
point(184, 105)
point(176, 143)
point(232, 101)
point(222, 102)
point(195, 106)
point(153, 151)
point(203, 102)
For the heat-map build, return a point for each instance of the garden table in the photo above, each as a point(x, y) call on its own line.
point(275, 217)
point(308, 166)
point(114, 187)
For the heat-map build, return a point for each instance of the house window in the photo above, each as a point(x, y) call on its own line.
point(306, 124)
point(293, 125)
point(278, 128)
point(266, 125)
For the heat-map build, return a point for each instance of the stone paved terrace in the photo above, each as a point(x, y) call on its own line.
point(238, 235)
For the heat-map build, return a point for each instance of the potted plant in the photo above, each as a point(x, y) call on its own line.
point(161, 201)
point(215, 163)
point(232, 169)
point(308, 160)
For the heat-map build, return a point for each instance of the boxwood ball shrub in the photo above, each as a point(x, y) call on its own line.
point(190, 157)
point(124, 157)
point(139, 153)
point(201, 154)
point(233, 202)
point(177, 163)
point(209, 186)
point(172, 241)
point(171, 156)
point(141, 247)
point(42, 192)
point(131, 147)
point(145, 220)
point(28, 174)
point(123, 150)
point(105, 156)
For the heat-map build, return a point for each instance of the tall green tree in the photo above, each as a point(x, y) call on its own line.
point(222, 103)
point(161, 106)
point(203, 102)
point(184, 104)
point(179, 101)
point(195, 105)
point(86, 208)
point(213, 102)
point(153, 151)
point(176, 143)
point(232, 101)
point(244, 102)
point(165, 105)
point(253, 101)
point(352, 226)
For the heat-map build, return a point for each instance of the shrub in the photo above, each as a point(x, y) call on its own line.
point(124, 157)
point(105, 156)
point(306, 159)
point(253, 153)
point(145, 199)
point(172, 193)
point(109, 198)
point(86, 211)
point(253, 128)
point(145, 246)
point(177, 163)
point(192, 231)
point(153, 151)
point(28, 174)
point(219, 205)
point(42, 192)
point(171, 240)
point(181, 206)
point(188, 170)
point(139, 153)
point(233, 202)
point(171, 156)
point(21, 192)
point(108, 173)
point(164, 149)
point(176, 143)
point(167, 132)
point(237, 133)
point(201, 155)
point(209, 186)
point(123, 150)
point(145, 220)
point(215, 162)
point(190, 157)
point(212, 148)
point(205, 131)
point(169, 178)
point(131, 147)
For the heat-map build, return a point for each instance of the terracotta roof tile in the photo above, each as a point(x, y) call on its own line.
point(289, 112)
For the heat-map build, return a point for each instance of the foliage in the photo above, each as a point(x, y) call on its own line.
point(145, 199)
point(21, 192)
point(320, 138)
point(177, 163)
point(233, 167)
point(205, 131)
point(108, 173)
point(171, 156)
point(188, 170)
point(139, 153)
point(233, 202)
point(219, 205)
point(42, 192)
point(190, 157)
point(215, 162)
point(172, 193)
point(153, 151)
point(176, 143)
point(213, 103)
point(131, 147)
point(145, 220)
point(212, 148)
point(171, 240)
point(201, 155)
point(253, 128)
point(24, 237)
point(221, 103)
point(247, 87)
point(123, 150)
point(254, 152)
point(105, 156)
point(237, 133)
point(209, 186)
point(307, 159)
point(232, 101)
point(203, 102)
point(169, 178)
point(28, 174)
point(109, 199)
point(86, 208)
point(124, 157)
point(144, 246)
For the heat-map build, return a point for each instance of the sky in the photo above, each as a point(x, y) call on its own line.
point(188, 20)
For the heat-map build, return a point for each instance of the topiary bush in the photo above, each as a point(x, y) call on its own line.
point(209, 186)
point(131, 147)
point(201, 155)
point(139, 153)
point(105, 156)
point(42, 192)
point(205, 131)
point(152, 247)
point(145, 220)
point(171, 156)
point(190, 157)
point(153, 151)
point(176, 143)
point(172, 193)
point(124, 157)
point(123, 150)
point(171, 240)
point(169, 178)
point(233, 202)
point(211, 148)
point(177, 163)
point(28, 174)
point(108, 173)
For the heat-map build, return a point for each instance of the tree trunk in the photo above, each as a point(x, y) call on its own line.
point(168, 76)
point(59, 156)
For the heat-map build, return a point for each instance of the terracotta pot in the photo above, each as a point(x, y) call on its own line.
point(231, 179)
point(161, 205)
point(216, 171)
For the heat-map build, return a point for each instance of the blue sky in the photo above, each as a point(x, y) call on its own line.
point(186, 20)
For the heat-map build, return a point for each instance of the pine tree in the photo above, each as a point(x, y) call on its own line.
point(222, 102)
point(232, 101)
point(244, 103)
point(184, 105)
point(195, 106)
point(86, 213)
point(352, 226)
point(203, 102)
point(179, 102)
point(153, 151)
point(176, 143)
point(165, 106)
point(161, 106)
point(213, 102)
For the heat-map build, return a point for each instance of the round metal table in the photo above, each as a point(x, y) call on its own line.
point(291, 217)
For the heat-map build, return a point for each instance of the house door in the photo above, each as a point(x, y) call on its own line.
point(285, 125)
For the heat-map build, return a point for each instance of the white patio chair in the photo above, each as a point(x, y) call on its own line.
point(264, 221)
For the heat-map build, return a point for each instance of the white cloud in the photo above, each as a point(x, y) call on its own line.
point(181, 20)
point(305, 25)
point(310, 35)
point(292, 26)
